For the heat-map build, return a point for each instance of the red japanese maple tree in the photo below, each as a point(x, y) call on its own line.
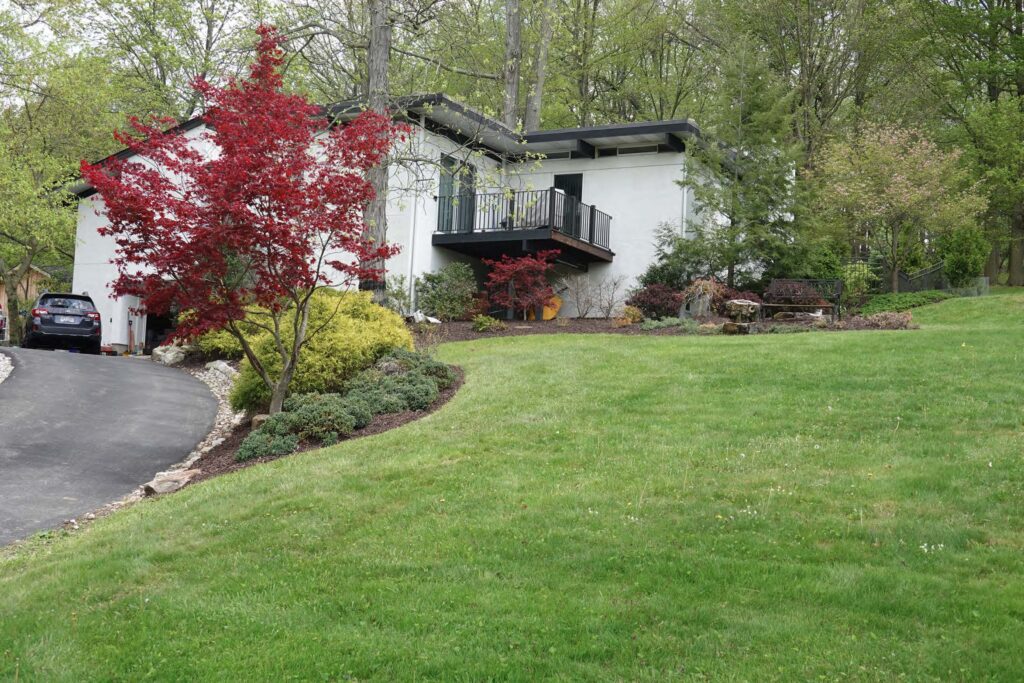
point(521, 283)
point(248, 219)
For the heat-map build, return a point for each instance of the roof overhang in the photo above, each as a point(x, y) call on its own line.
point(467, 126)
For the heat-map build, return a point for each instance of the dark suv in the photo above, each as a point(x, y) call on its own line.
point(64, 321)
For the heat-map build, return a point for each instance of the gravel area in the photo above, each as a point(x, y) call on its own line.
point(5, 366)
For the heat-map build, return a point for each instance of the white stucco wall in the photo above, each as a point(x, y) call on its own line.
point(412, 204)
point(639, 191)
point(93, 275)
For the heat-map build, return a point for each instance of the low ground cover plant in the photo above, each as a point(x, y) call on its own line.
point(886, 320)
point(903, 301)
point(686, 325)
point(399, 381)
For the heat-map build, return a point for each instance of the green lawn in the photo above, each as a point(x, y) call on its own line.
point(827, 505)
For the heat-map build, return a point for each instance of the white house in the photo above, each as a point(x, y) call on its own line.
point(468, 187)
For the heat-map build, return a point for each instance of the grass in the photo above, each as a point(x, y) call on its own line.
point(903, 301)
point(827, 505)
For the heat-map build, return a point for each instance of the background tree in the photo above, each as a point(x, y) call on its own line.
point(978, 50)
point(895, 191)
point(743, 178)
point(996, 149)
point(252, 234)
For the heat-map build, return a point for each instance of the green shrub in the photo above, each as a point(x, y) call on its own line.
point(262, 444)
point(219, 344)
point(279, 424)
point(413, 390)
point(448, 293)
point(357, 333)
point(485, 323)
point(903, 301)
point(858, 281)
point(408, 361)
point(964, 253)
point(323, 421)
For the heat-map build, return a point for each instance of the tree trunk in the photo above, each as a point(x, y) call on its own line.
point(377, 61)
point(1016, 265)
point(535, 101)
point(15, 321)
point(994, 263)
point(513, 59)
point(277, 397)
point(894, 279)
point(12, 278)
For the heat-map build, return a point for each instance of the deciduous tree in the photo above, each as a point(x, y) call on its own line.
point(896, 191)
point(253, 231)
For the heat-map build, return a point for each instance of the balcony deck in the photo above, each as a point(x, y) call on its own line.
point(518, 223)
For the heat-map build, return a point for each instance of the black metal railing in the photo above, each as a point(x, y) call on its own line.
point(525, 210)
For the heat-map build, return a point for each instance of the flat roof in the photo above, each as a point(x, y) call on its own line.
point(465, 125)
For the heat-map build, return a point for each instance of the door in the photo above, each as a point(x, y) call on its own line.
point(446, 196)
point(456, 196)
point(467, 198)
point(572, 185)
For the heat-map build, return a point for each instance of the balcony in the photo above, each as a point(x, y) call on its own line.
point(518, 223)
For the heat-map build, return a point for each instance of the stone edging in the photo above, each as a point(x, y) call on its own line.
point(219, 376)
point(6, 366)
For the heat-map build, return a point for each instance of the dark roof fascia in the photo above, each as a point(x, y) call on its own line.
point(182, 127)
point(684, 126)
point(338, 111)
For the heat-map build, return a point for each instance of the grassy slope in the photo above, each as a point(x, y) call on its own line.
point(594, 507)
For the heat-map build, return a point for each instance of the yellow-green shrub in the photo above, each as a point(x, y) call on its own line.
point(219, 344)
point(359, 333)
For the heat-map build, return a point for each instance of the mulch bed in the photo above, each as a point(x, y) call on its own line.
point(427, 335)
point(463, 330)
point(221, 459)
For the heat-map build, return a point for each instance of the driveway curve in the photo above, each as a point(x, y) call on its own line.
point(78, 431)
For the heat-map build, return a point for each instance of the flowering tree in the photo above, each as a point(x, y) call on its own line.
point(897, 192)
point(250, 231)
point(521, 283)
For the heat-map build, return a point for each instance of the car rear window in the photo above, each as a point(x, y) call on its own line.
point(67, 302)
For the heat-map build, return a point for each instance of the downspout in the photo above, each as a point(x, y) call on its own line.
point(686, 193)
point(412, 229)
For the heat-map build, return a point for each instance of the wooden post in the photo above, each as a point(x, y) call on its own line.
point(551, 208)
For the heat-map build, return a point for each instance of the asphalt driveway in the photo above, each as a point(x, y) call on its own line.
point(77, 432)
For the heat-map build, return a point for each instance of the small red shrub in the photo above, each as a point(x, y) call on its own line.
point(521, 283)
point(657, 301)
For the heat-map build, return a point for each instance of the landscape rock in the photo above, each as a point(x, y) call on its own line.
point(742, 310)
point(735, 328)
point(166, 482)
point(169, 355)
point(390, 367)
point(223, 367)
point(258, 420)
point(420, 317)
point(5, 367)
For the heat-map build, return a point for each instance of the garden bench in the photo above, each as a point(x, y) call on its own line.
point(824, 295)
